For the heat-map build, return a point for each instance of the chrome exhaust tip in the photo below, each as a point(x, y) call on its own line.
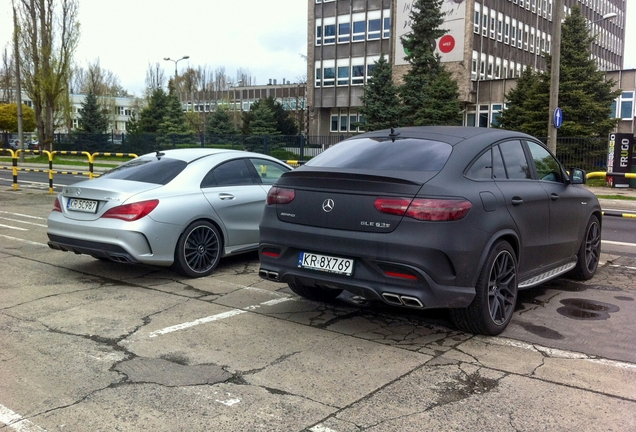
point(393, 299)
point(413, 302)
point(269, 275)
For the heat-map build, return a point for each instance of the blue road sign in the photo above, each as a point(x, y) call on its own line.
point(558, 117)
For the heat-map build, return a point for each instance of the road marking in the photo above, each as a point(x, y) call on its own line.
point(321, 428)
point(229, 402)
point(554, 352)
point(622, 266)
point(22, 215)
point(216, 317)
point(23, 222)
point(23, 241)
point(17, 422)
point(618, 243)
point(12, 227)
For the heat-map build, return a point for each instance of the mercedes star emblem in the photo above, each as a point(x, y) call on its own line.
point(327, 205)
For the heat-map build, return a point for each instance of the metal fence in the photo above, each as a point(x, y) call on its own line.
point(589, 154)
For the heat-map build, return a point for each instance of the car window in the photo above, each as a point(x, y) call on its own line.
point(498, 169)
point(231, 173)
point(548, 169)
point(515, 161)
point(408, 154)
point(481, 169)
point(267, 170)
point(156, 170)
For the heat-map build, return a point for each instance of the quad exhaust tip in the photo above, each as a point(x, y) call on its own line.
point(269, 275)
point(401, 300)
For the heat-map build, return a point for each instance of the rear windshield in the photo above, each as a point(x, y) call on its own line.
point(148, 170)
point(409, 154)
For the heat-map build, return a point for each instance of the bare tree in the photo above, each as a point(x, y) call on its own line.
point(244, 77)
point(7, 77)
point(102, 82)
point(49, 34)
point(155, 78)
point(221, 80)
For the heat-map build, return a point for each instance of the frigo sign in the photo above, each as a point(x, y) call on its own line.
point(619, 157)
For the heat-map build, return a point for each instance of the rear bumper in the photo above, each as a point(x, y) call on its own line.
point(95, 249)
point(369, 280)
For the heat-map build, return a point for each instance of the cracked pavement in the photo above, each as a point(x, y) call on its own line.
point(90, 345)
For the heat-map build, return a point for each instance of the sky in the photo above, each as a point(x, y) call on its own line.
point(267, 38)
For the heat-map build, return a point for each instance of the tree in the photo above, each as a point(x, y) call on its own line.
point(585, 97)
point(285, 124)
point(92, 118)
point(516, 117)
point(173, 121)
point(263, 121)
point(381, 106)
point(9, 118)
point(49, 33)
point(430, 95)
point(220, 123)
point(102, 82)
point(152, 115)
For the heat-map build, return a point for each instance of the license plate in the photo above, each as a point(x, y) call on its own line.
point(82, 205)
point(326, 263)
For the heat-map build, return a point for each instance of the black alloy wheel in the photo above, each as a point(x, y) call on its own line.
point(198, 250)
point(590, 251)
point(495, 294)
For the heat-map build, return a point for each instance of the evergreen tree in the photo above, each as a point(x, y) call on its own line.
point(220, 123)
point(515, 116)
point(381, 107)
point(152, 115)
point(263, 121)
point(174, 119)
point(584, 96)
point(92, 118)
point(285, 125)
point(430, 95)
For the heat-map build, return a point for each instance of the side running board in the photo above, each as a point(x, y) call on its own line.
point(543, 277)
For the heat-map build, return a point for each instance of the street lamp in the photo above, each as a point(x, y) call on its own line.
point(175, 66)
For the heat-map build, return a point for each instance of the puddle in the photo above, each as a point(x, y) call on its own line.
point(584, 309)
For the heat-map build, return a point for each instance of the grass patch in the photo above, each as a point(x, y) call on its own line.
point(617, 197)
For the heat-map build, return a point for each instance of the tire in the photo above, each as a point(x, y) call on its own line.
point(495, 294)
point(198, 250)
point(314, 292)
point(589, 252)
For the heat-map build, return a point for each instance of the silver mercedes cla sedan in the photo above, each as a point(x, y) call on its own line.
point(185, 208)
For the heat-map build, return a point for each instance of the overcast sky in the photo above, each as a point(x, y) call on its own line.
point(265, 37)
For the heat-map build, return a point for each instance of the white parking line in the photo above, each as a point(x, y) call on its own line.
point(22, 215)
point(23, 240)
point(17, 422)
point(216, 317)
point(12, 227)
point(618, 243)
point(23, 222)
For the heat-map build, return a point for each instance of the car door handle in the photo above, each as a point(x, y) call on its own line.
point(554, 197)
point(226, 196)
point(516, 201)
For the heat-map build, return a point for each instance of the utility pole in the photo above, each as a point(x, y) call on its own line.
point(555, 71)
point(17, 82)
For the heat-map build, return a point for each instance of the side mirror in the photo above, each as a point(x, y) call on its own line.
point(578, 176)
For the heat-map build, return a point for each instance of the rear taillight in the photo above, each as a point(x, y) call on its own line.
point(132, 212)
point(278, 195)
point(57, 206)
point(425, 209)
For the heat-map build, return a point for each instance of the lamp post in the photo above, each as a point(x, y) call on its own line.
point(176, 73)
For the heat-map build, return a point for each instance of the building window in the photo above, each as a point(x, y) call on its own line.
point(334, 123)
point(374, 28)
point(507, 31)
point(359, 27)
point(370, 66)
point(483, 116)
point(493, 19)
point(328, 76)
point(344, 29)
point(513, 33)
point(473, 67)
point(343, 74)
point(627, 105)
point(496, 112)
point(357, 71)
point(484, 22)
point(477, 19)
point(386, 24)
point(499, 27)
point(318, 74)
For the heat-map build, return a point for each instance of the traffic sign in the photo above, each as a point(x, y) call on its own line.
point(558, 117)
